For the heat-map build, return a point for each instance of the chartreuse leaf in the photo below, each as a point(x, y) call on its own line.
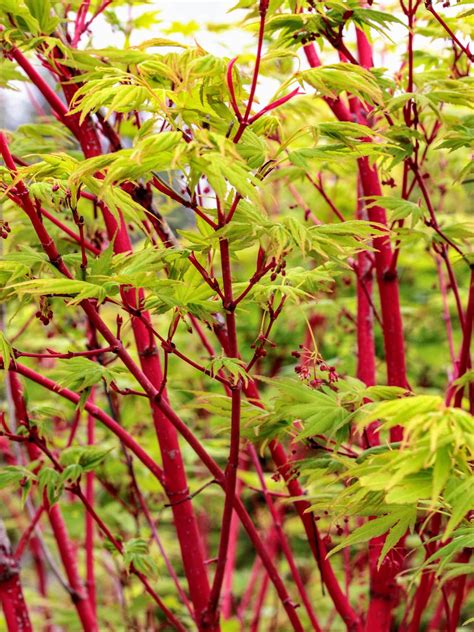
point(72, 473)
point(405, 523)
point(13, 474)
point(462, 539)
point(332, 79)
point(371, 529)
point(86, 457)
point(376, 393)
point(460, 496)
point(398, 411)
point(5, 352)
point(80, 290)
point(400, 208)
point(50, 480)
point(320, 412)
point(136, 553)
point(41, 11)
point(235, 368)
point(9, 73)
point(80, 373)
point(22, 14)
point(441, 471)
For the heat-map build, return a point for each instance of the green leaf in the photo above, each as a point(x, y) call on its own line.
point(331, 80)
point(406, 522)
point(81, 373)
point(60, 287)
point(441, 471)
point(371, 529)
point(5, 352)
point(400, 209)
point(71, 473)
point(13, 474)
point(461, 499)
point(136, 553)
point(50, 480)
point(86, 457)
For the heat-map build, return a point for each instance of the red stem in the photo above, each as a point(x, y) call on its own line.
point(227, 595)
point(446, 312)
point(12, 600)
point(25, 538)
point(233, 459)
point(459, 589)
point(80, 22)
point(439, 19)
point(58, 107)
point(425, 588)
point(261, 31)
point(68, 558)
point(365, 323)
point(230, 86)
point(319, 187)
point(260, 601)
point(464, 353)
point(89, 522)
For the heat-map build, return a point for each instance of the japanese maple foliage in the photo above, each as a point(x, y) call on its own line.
point(236, 328)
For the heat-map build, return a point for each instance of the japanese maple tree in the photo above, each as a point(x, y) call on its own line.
point(236, 328)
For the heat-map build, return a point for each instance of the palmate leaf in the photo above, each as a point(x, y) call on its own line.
point(331, 80)
point(380, 21)
point(114, 88)
point(399, 411)
point(50, 481)
point(252, 148)
point(21, 14)
point(80, 290)
point(235, 368)
point(189, 295)
point(153, 153)
point(15, 267)
point(138, 269)
point(400, 208)
point(381, 393)
point(453, 91)
point(136, 553)
point(459, 136)
point(321, 413)
point(80, 373)
point(9, 72)
point(86, 457)
point(462, 538)
point(220, 407)
point(460, 496)
point(13, 474)
point(297, 286)
point(396, 523)
point(332, 153)
point(406, 488)
point(345, 132)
